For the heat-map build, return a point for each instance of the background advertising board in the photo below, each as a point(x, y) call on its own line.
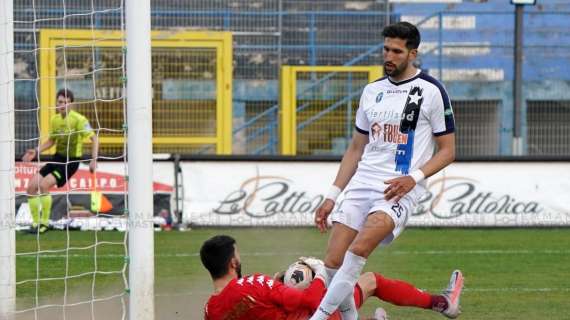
point(74, 197)
point(464, 194)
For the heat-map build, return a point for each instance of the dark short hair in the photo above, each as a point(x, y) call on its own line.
point(66, 93)
point(403, 30)
point(216, 254)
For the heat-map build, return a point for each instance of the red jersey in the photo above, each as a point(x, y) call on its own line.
point(260, 297)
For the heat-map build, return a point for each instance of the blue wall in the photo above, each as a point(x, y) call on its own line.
point(546, 36)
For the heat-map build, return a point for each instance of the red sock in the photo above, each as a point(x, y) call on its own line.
point(402, 293)
point(358, 296)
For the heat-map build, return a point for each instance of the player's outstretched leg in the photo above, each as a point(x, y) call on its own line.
point(401, 293)
point(452, 294)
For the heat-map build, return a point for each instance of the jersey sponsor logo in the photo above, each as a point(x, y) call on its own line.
point(384, 115)
point(379, 97)
point(397, 91)
point(376, 130)
point(392, 134)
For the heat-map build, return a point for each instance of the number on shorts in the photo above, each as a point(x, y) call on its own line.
point(397, 208)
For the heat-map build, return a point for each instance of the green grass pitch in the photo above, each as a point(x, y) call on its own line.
point(510, 273)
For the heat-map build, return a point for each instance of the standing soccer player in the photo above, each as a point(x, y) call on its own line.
point(68, 128)
point(386, 171)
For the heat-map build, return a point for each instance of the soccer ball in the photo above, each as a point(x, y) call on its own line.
point(298, 275)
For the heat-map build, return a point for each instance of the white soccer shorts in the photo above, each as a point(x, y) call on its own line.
point(360, 200)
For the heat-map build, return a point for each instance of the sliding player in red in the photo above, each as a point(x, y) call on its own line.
point(261, 297)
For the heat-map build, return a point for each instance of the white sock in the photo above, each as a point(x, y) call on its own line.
point(348, 308)
point(330, 273)
point(341, 286)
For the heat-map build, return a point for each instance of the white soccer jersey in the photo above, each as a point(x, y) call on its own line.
point(401, 120)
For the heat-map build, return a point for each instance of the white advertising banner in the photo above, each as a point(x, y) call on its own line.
point(464, 194)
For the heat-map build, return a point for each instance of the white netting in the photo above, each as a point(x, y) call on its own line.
point(64, 273)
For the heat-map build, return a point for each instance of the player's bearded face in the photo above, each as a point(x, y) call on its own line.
point(397, 56)
point(394, 70)
point(236, 264)
point(236, 261)
point(238, 269)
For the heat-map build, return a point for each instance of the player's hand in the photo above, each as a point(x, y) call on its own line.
point(29, 155)
point(322, 213)
point(93, 166)
point(398, 188)
point(317, 265)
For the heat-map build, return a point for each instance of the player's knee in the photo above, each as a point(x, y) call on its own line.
point(360, 249)
point(367, 283)
point(45, 185)
point(32, 188)
point(333, 261)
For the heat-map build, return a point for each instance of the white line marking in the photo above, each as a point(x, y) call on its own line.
point(516, 289)
point(319, 253)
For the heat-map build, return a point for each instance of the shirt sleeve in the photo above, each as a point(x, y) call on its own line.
point(84, 127)
point(362, 124)
point(441, 114)
point(292, 299)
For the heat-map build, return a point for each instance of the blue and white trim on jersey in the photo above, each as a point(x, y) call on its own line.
point(448, 112)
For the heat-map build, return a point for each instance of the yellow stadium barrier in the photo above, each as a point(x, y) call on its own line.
point(317, 105)
point(192, 86)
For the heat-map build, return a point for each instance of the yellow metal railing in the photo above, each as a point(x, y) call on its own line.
point(192, 86)
point(307, 95)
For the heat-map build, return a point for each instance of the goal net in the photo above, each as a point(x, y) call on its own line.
point(65, 199)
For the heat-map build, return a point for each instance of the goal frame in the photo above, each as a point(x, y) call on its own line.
point(7, 164)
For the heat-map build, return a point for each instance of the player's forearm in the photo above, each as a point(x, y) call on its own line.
point(348, 167)
point(46, 145)
point(313, 295)
point(292, 299)
point(442, 158)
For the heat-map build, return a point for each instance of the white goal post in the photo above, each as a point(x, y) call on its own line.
point(139, 139)
point(7, 165)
